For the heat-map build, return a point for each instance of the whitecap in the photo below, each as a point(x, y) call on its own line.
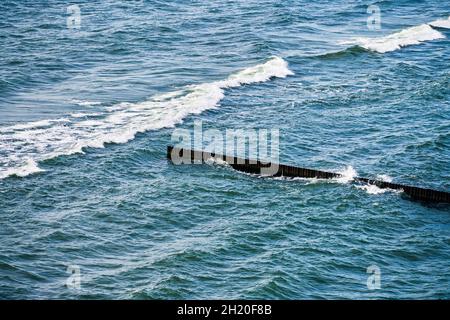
point(216, 161)
point(410, 36)
point(29, 167)
point(441, 23)
point(120, 123)
point(346, 175)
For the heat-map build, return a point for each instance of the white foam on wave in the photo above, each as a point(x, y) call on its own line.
point(29, 167)
point(410, 36)
point(347, 175)
point(441, 23)
point(46, 139)
point(84, 103)
point(216, 161)
point(373, 189)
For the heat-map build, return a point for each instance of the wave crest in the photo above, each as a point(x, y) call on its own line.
point(24, 145)
point(410, 36)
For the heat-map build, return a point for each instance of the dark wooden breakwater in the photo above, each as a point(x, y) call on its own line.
point(186, 156)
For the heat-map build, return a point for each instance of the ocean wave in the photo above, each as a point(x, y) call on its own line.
point(347, 175)
point(27, 144)
point(29, 167)
point(441, 23)
point(410, 36)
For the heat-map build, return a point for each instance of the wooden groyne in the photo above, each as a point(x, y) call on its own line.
point(183, 155)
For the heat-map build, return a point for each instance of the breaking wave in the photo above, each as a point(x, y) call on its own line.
point(410, 36)
point(22, 146)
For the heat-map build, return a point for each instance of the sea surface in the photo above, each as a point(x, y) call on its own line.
point(90, 208)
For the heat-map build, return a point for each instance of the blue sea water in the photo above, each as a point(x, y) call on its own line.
point(86, 114)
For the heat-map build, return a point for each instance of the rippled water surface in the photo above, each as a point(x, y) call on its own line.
point(86, 115)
